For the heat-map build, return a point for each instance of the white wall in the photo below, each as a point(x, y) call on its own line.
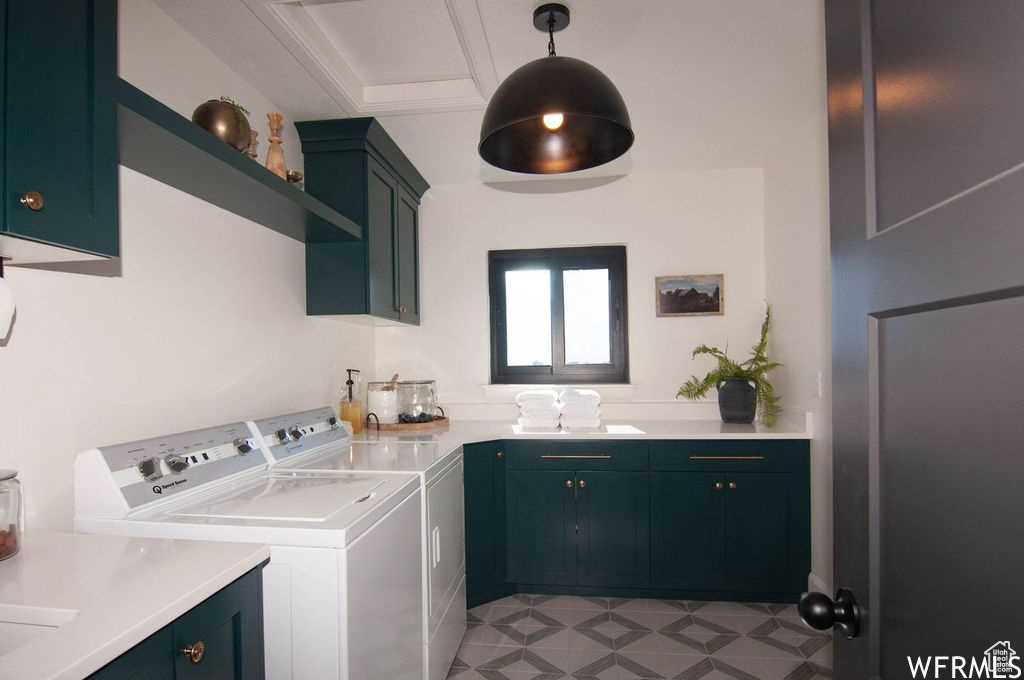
point(672, 223)
point(206, 323)
point(157, 56)
point(797, 268)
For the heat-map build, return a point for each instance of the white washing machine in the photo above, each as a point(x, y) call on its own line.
point(306, 441)
point(342, 592)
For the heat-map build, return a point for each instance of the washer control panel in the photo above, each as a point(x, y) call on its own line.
point(290, 435)
point(151, 469)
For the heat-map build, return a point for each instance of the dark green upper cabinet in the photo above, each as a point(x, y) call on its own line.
point(60, 123)
point(353, 166)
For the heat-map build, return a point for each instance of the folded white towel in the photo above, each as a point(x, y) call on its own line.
point(537, 397)
point(585, 412)
point(577, 423)
point(539, 423)
point(576, 396)
point(529, 410)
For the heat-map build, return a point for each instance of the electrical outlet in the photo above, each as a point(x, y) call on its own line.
point(816, 388)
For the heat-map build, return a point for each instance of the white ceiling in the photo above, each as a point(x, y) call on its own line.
point(708, 83)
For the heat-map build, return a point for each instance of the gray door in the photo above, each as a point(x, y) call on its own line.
point(926, 149)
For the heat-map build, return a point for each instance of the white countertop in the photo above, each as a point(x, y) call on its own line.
point(463, 432)
point(113, 592)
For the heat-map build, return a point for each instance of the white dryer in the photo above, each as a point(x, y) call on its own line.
point(306, 441)
point(342, 594)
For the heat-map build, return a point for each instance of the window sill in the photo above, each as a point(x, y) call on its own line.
point(507, 393)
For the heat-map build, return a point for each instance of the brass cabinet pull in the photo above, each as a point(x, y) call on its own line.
point(718, 486)
point(732, 486)
point(568, 484)
point(726, 457)
point(195, 651)
point(33, 200)
point(501, 454)
point(594, 457)
point(583, 484)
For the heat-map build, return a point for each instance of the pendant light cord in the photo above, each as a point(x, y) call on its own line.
point(551, 34)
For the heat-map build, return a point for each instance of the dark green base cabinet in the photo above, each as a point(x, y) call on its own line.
point(726, 520)
point(484, 503)
point(230, 626)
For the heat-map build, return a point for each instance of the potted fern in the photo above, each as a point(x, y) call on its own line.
point(743, 388)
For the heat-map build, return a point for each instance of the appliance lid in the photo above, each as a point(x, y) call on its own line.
point(286, 498)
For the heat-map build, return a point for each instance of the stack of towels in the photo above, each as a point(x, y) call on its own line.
point(539, 409)
point(580, 408)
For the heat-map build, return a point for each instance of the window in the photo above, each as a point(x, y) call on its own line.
point(558, 315)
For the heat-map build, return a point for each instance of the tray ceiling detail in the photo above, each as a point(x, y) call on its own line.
point(376, 57)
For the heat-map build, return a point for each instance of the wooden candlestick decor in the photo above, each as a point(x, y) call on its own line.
point(275, 155)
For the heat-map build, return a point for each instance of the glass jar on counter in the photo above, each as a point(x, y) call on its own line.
point(10, 514)
point(417, 400)
point(382, 401)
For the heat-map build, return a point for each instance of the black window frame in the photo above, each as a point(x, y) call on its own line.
point(557, 260)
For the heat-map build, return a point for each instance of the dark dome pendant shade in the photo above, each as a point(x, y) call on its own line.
point(554, 114)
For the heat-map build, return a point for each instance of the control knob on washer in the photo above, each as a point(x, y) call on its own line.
point(177, 464)
point(150, 470)
point(243, 446)
point(295, 433)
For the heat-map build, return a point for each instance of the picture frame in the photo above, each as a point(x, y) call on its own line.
point(689, 295)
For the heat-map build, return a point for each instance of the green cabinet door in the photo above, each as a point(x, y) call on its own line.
point(484, 489)
point(687, 530)
point(540, 513)
point(767, 532)
point(229, 626)
point(407, 257)
point(381, 203)
point(613, 520)
point(60, 123)
point(355, 167)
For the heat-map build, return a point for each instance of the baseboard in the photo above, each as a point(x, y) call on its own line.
point(817, 584)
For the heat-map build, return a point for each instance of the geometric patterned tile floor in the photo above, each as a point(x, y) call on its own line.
point(561, 637)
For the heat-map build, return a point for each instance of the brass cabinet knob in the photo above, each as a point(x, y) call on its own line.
point(583, 485)
point(718, 486)
point(398, 309)
point(501, 454)
point(33, 200)
point(568, 484)
point(195, 651)
point(732, 486)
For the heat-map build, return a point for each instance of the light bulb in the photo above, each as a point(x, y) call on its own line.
point(553, 121)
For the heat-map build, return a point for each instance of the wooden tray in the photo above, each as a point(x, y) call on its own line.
point(438, 421)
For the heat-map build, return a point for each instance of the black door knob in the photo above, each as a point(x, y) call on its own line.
point(820, 612)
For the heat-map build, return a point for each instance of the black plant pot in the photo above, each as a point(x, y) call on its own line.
point(737, 400)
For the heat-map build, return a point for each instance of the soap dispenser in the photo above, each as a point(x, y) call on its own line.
point(350, 408)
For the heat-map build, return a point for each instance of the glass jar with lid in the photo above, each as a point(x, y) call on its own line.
point(10, 514)
point(417, 400)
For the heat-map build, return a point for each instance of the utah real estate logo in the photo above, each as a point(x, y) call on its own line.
point(999, 661)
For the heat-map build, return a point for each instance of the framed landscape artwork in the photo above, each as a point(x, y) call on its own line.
point(690, 295)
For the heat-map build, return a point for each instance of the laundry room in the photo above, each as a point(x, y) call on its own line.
point(427, 339)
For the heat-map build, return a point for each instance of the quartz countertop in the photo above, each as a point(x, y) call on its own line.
point(462, 432)
point(95, 597)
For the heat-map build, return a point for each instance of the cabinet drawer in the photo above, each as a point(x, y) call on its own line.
point(775, 455)
point(575, 455)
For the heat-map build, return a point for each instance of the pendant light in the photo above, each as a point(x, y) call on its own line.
point(554, 114)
